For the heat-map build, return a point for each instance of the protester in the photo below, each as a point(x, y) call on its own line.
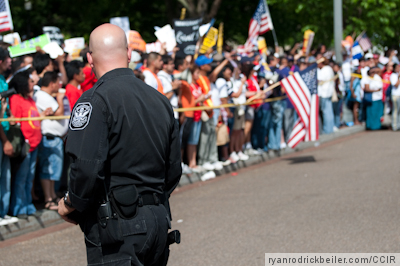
point(355, 97)
point(154, 64)
point(51, 149)
point(6, 147)
point(90, 78)
point(171, 86)
point(373, 99)
point(22, 105)
point(75, 78)
point(326, 86)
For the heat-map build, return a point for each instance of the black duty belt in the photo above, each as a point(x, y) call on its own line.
point(149, 199)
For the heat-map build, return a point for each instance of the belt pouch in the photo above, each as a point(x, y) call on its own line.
point(124, 200)
point(109, 229)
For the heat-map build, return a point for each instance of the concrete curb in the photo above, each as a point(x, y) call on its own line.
point(46, 218)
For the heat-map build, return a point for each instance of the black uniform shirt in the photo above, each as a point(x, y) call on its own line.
point(122, 131)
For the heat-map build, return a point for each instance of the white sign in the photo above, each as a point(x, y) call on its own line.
point(166, 35)
point(122, 22)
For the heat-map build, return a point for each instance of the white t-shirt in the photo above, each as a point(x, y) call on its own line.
point(393, 80)
point(54, 127)
point(346, 70)
point(166, 81)
point(364, 71)
point(375, 84)
point(149, 79)
point(326, 74)
point(222, 88)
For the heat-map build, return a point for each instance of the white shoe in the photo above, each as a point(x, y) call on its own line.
point(226, 163)
point(218, 166)
point(283, 145)
point(252, 152)
point(242, 156)
point(335, 129)
point(197, 169)
point(186, 169)
point(208, 166)
point(260, 151)
point(234, 157)
point(8, 220)
point(207, 176)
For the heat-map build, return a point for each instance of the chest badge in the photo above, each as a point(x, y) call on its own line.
point(80, 116)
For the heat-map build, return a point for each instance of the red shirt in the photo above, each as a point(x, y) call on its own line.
point(252, 85)
point(73, 94)
point(196, 91)
point(21, 107)
point(90, 79)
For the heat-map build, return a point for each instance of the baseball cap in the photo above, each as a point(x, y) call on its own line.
point(369, 56)
point(203, 60)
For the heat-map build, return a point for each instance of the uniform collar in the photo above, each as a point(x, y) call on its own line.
point(116, 73)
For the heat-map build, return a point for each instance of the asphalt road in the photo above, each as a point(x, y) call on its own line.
point(340, 197)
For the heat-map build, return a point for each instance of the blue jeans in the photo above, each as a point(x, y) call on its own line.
point(337, 109)
point(5, 182)
point(260, 128)
point(326, 110)
point(51, 156)
point(274, 137)
point(216, 116)
point(21, 200)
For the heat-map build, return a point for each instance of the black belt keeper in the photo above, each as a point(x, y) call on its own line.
point(149, 199)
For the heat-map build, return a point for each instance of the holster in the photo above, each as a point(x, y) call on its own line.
point(109, 228)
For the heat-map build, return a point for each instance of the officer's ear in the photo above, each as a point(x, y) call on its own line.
point(129, 54)
point(89, 58)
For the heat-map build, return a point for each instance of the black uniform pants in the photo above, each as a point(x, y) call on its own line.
point(145, 240)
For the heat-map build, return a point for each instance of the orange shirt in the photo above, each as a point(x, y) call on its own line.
point(187, 98)
point(205, 86)
point(159, 84)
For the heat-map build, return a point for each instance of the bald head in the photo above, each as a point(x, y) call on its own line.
point(108, 49)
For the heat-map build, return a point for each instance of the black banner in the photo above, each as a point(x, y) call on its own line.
point(186, 34)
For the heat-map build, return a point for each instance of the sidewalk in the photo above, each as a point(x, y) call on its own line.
point(46, 218)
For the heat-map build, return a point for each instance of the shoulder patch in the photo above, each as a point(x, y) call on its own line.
point(80, 116)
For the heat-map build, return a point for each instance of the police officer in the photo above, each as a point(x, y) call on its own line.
point(123, 141)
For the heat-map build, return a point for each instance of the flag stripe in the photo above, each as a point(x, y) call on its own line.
point(297, 103)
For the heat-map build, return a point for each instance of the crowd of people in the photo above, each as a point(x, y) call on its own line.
point(211, 138)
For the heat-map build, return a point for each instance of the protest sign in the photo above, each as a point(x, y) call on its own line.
point(220, 42)
point(135, 41)
point(73, 46)
point(53, 49)
point(166, 35)
point(186, 35)
point(307, 41)
point(12, 38)
point(29, 46)
point(122, 22)
point(209, 41)
point(54, 34)
point(153, 47)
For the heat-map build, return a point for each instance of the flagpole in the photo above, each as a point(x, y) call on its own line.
point(275, 39)
point(273, 28)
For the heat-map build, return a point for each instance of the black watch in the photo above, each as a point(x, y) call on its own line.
point(66, 202)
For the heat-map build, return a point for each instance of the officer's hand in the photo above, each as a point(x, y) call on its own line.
point(64, 210)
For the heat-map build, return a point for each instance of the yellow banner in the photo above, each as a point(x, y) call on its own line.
point(209, 41)
point(262, 45)
point(220, 42)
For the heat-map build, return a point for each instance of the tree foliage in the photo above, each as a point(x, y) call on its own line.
point(290, 17)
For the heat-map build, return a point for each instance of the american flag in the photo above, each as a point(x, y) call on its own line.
point(5, 16)
point(260, 23)
point(302, 90)
point(364, 42)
